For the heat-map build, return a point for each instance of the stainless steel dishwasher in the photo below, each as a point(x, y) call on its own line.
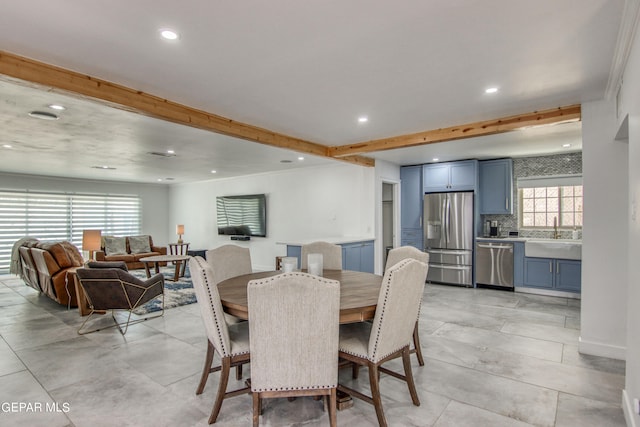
point(494, 264)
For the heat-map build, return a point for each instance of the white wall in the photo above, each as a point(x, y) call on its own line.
point(604, 284)
point(319, 202)
point(155, 198)
point(630, 104)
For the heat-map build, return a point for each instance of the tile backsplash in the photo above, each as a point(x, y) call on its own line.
point(559, 164)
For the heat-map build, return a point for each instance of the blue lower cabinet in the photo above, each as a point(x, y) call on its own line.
point(356, 256)
point(550, 273)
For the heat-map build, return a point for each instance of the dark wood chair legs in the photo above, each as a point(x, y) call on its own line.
point(208, 368)
point(417, 349)
point(374, 380)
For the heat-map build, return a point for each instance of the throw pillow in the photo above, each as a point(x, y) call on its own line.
point(139, 244)
point(115, 246)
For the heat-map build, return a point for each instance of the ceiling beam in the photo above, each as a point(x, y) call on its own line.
point(143, 103)
point(488, 127)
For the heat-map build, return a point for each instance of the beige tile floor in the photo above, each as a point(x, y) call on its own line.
point(493, 358)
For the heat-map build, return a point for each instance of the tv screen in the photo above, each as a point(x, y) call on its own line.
point(242, 215)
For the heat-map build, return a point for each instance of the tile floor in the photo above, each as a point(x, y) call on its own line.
point(493, 358)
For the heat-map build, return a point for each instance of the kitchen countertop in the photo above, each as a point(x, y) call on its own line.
point(335, 240)
point(521, 239)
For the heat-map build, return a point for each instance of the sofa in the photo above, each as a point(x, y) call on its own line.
point(48, 267)
point(128, 249)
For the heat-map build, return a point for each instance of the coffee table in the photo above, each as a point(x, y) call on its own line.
point(156, 259)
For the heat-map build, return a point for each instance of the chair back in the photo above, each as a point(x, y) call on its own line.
point(293, 332)
point(210, 305)
point(229, 261)
point(403, 252)
point(117, 289)
point(397, 309)
point(331, 255)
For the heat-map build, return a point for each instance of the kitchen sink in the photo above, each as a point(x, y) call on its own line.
point(553, 248)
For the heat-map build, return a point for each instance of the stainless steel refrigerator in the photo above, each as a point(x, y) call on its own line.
point(448, 237)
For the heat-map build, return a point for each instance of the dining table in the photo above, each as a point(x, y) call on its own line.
point(358, 293)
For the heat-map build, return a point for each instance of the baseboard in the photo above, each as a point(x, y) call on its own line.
point(547, 292)
point(603, 350)
point(627, 408)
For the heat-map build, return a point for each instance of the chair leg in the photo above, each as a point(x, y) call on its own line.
point(256, 409)
point(333, 405)
point(355, 371)
point(416, 345)
point(239, 372)
point(406, 361)
point(207, 367)
point(374, 381)
point(222, 389)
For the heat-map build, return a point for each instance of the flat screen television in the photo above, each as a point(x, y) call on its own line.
point(244, 215)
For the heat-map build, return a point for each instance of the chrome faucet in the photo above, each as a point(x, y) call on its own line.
point(556, 234)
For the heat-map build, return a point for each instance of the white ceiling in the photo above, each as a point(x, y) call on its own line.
point(305, 69)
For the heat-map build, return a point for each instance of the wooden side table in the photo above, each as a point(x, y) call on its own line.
point(179, 249)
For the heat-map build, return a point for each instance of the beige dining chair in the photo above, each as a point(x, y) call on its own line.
point(331, 255)
point(226, 261)
point(388, 336)
point(231, 342)
point(393, 257)
point(284, 312)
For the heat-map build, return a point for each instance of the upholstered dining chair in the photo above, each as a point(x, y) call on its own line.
point(284, 313)
point(231, 342)
point(226, 261)
point(396, 255)
point(331, 255)
point(388, 336)
point(110, 287)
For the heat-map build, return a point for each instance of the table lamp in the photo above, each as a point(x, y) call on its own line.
point(180, 232)
point(91, 241)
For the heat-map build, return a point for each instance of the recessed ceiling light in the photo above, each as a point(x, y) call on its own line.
point(43, 115)
point(57, 107)
point(159, 179)
point(7, 146)
point(435, 159)
point(214, 171)
point(491, 90)
point(105, 167)
point(566, 145)
point(171, 152)
point(168, 34)
point(363, 119)
point(301, 158)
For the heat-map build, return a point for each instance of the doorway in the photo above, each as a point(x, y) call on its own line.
point(388, 219)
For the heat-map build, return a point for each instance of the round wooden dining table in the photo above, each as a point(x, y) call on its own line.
point(358, 293)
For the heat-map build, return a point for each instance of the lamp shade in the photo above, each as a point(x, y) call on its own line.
point(180, 229)
point(91, 240)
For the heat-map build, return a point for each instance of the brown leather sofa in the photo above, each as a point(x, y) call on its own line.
point(131, 259)
point(48, 266)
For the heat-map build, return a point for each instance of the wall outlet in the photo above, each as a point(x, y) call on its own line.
point(636, 406)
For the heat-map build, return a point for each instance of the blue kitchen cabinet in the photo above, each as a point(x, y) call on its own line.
point(495, 192)
point(411, 206)
point(356, 256)
point(538, 272)
point(568, 275)
point(452, 176)
point(551, 273)
point(518, 263)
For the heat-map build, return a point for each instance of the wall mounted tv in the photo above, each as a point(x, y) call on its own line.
point(242, 215)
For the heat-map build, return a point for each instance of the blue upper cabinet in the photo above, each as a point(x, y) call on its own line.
point(453, 176)
point(496, 187)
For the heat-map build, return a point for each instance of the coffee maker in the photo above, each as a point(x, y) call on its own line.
point(494, 229)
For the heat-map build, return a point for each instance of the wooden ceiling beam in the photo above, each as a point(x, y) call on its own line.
point(488, 127)
point(143, 103)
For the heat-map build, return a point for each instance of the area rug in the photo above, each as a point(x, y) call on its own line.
point(175, 293)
